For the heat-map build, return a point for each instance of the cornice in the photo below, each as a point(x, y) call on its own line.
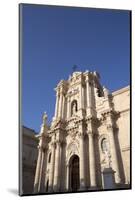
point(122, 90)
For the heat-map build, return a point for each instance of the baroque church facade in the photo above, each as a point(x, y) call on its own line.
point(87, 145)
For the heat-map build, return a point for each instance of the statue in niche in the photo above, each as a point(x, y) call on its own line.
point(106, 161)
point(74, 108)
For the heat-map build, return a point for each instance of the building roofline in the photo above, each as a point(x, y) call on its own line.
point(29, 129)
point(122, 90)
point(31, 135)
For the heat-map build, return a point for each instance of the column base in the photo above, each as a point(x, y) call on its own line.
point(82, 189)
point(89, 111)
point(93, 188)
point(56, 189)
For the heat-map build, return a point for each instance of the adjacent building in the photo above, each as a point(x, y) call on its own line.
point(29, 153)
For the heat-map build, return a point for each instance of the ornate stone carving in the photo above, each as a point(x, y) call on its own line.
point(44, 118)
point(106, 160)
point(53, 144)
point(73, 133)
point(109, 126)
point(106, 91)
point(74, 91)
point(81, 135)
point(72, 149)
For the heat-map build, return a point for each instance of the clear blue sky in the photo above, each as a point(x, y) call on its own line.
point(56, 38)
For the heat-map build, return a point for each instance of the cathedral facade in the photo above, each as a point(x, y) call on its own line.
point(87, 145)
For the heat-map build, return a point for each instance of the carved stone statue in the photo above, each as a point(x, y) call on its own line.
point(44, 118)
point(107, 158)
point(106, 91)
point(106, 161)
point(74, 108)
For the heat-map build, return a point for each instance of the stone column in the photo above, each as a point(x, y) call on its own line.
point(57, 104)
point(43, 169)
point(63, 166)
point(51, 174)
point(88, 93)
point(89, 99)
point(114, 157)
point(63, 107)
point(60, 104)
point(37, 176)
point(68, 107)
point(82, 97)
point(56, 183)
point(92, 166)
point(67, 179)
point(82, 162)
point(81, 101)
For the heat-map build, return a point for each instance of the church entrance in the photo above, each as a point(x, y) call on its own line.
point(74, 173)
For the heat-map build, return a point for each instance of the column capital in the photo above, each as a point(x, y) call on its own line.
point(88, 81)
point(90, 133)
point(81, 135)
point(109, 127)
point(87, 78)
point(58, 142)
point(53, 144)
point(57, 93)
point(40, 148)
point(67, 165)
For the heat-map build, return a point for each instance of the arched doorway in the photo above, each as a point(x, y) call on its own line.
point(74, 173)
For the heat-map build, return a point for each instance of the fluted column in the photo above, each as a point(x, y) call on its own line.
point(51, 174)
point(92, 166)
point(56, 183)
point(82, 162)
point(57, 104)
point(38, 168)
point(114, 156)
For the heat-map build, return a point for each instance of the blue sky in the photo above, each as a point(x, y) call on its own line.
point(56, 38)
